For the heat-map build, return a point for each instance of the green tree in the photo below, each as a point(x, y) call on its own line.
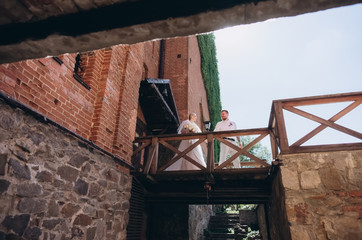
point(257, 150)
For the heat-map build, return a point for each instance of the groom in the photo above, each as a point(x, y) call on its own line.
point(226, 125)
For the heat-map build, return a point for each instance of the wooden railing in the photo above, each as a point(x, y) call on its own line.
point(150, 162)
point(149, 147)
point(277, 124)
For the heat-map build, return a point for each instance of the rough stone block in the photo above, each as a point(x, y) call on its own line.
point(331, 179)
point(44, 176)
point(77, 160)
point(17, 223)
point(32, 233)
point(30, 205)
point(52, 223)
point(28, 190)
point(3, 159)
point(19, 170)
point(83, 220)
point(112, 175)
point(290, 179)
point(81, 187)
point(95, 190)
point(6, 122)
point(299, 232)
point(309, 179)
point(4, 185)
point(69, 210)
point(67, 173)
point(53, 209)
point(37, 138)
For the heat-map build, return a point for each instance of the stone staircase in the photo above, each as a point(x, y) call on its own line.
point(221, 227)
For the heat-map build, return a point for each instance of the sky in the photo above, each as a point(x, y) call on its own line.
point(307, 55)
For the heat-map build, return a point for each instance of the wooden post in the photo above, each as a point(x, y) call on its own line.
point(152, 157)
point(210, 152)
point(282, 132)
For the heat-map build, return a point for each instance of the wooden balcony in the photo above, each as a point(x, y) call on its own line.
point(220, 183)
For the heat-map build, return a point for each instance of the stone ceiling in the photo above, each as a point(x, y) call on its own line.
point(39, 28)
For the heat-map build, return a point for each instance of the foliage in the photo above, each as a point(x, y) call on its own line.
point(233, 208)
point(210, 74)
point(257, 150)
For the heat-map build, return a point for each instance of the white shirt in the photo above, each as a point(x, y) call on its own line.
point(225, 125)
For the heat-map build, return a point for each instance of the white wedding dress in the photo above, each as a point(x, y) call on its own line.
point(196, 153)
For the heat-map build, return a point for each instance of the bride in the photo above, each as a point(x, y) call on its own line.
point(188, 126)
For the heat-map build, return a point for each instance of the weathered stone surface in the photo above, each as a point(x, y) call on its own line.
point(37, 138)
point(83, 220)
point(44, 176)
point(20, 154)
point(52, 223)
point(6, 122)
point(3, 159)
point(77, 160)
point(28, 190)
point(77, 232)
point(95, 190)
point(19, 170)
point(86, 168)
point(51, 199)
point(111, 175)
point(64, 186)
point(309, 179)
point(91, 233)
point(299, 232)
point(4, 185)
point(32, 233)
point(67, 173)
point(53, 209)
point(31, 205)
point(101, 228)
point(290, 179)
point(69, 210)
point(331, 178)
point(25, 144)
point(17, 223)
point(81, 187)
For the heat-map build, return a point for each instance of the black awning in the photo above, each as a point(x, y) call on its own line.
point(158, 106)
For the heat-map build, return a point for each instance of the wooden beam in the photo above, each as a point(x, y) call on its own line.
point(181, 154)
point(323, 99)
point(322, 127)
point(326, 148)
point(325, 122)
point(141, 147)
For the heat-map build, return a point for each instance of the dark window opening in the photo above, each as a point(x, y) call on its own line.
point(79, 70)
point(178, 55)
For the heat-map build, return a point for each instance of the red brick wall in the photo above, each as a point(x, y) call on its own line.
point(50, 89)
point(196, 87)
point(107, 113)
point(175, 69)
point(184, 73)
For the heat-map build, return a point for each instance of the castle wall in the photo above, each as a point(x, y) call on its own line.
point(323, 194)
point(54, 186)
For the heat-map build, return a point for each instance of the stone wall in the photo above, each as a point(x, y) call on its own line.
point(199, 216)
point(54, 186)
point(323, 193)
